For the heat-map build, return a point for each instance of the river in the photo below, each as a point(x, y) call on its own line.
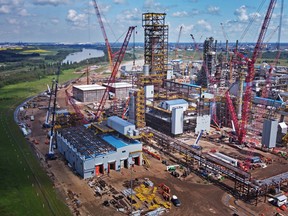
point(84, 54)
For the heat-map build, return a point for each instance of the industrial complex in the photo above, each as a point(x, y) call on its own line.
point(221, 120)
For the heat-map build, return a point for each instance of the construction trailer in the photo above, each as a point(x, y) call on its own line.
point(91, 155)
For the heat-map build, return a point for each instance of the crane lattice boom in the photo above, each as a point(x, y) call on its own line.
point(250, 76)
point(114, 72)
point(104, 33)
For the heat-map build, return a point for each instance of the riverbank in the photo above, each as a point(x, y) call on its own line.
point(85, 54)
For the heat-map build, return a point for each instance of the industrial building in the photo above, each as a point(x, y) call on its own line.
point(88, 93)
point(223, 96)
point(90, 154)
point(94, 93)
point(120, 90)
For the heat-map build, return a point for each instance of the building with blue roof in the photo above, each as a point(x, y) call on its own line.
point(90, 154)
point(170, 104)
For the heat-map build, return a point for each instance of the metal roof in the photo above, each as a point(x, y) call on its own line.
point(176, 102)
point(115, 142)
point(89, 87)
point(120, 121)
point(267, 101)
point(119, 85)
point(86, 142)
point(284, 94)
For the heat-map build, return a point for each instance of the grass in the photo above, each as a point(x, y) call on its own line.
point(36, 51)
point(25, 189)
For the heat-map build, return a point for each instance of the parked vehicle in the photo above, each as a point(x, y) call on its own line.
point(176, 202)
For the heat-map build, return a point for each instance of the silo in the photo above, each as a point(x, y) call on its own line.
point(146, 69)
point(132, 106)
point(269, 133)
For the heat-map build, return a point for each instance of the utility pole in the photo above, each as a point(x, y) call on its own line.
point(131, 185)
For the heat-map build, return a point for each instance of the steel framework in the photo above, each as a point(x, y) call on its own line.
point(156, 43)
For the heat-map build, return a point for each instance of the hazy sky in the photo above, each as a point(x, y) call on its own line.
point(75, 20)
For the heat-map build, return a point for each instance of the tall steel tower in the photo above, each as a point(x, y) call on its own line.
point(156, 43)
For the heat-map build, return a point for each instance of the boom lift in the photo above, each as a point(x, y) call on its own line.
point(195, 145)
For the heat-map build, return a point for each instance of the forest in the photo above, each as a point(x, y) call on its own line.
point(32, 63)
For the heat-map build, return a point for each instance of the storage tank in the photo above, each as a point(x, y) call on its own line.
point(132, 106)
point(269, 133)
point(146, 69)
point(177, 120)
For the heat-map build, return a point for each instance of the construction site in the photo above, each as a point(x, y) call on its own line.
point(172, 137)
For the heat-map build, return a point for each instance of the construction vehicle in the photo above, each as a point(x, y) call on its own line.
point(175, 201)
point(278, 200)
point(50, 91)
point(172, 167)
point(241, 128)
point(195, 145)
point(50, 155)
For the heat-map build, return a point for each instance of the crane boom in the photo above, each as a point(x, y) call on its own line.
point(50, 154)
point(251, 71)
point(114, 71)
point(46, 123)
point(109, 51)
point(268, 78)
point(177, 43)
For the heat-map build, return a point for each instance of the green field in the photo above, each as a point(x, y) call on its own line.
point(25, 189)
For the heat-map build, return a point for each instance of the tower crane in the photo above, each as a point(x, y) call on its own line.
point(241, 133)
point(114, 72)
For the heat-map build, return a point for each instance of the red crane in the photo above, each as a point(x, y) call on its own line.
point(196, 48)
point(177, 43)
point(109, 51)
point(241, 133)
point(114, 72)
point(75, 107)
point(268, 78)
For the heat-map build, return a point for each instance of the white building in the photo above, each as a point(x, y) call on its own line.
point(91, 155)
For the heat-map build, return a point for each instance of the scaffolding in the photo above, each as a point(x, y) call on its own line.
point(140, 109)
point(156, 43)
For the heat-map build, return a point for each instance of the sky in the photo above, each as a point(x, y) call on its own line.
point(75, 21)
